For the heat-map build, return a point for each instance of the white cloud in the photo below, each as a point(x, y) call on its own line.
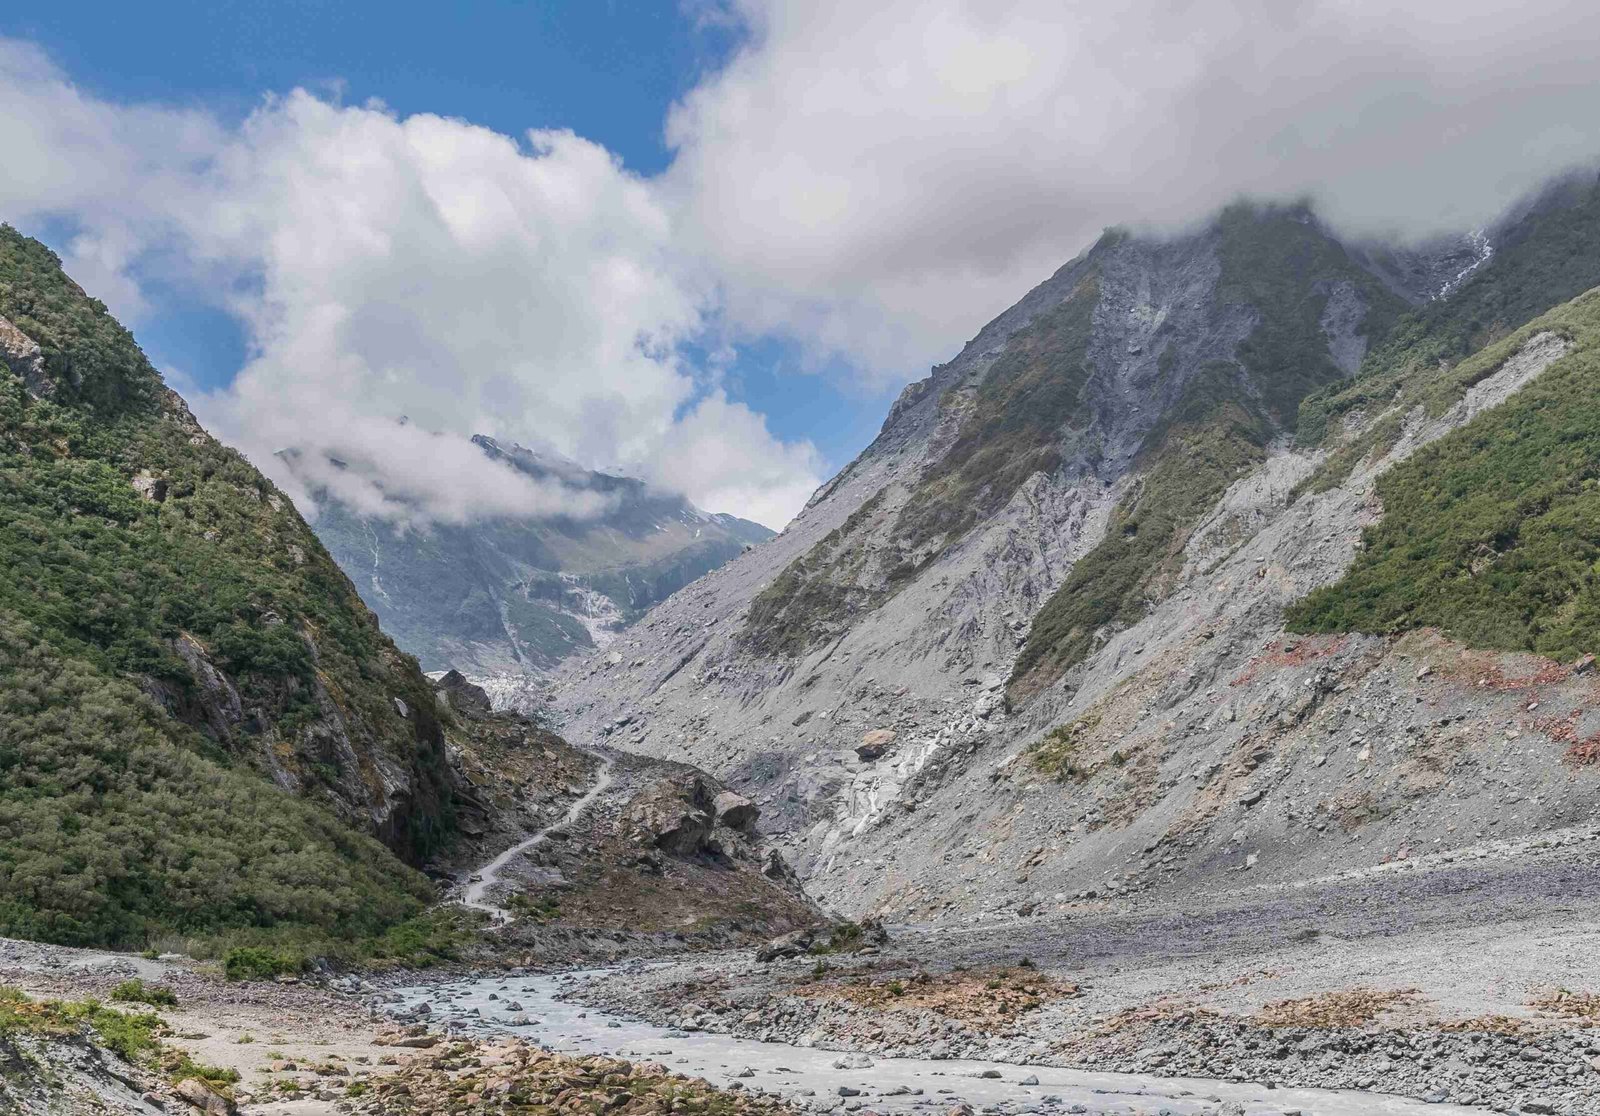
point(723, 450)
point(882, 178)
point(875, 181)
point(420, 266)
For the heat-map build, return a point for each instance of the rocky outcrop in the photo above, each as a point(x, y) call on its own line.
point(22, 355)
point(461, 695)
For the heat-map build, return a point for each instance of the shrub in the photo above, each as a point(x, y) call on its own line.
point(258, 963)
point(181, 1067)
point(137, 991)
point(131, 1036)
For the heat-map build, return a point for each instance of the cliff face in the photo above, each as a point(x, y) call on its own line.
point(1052, 593)
point(517, 596)
point(191, 684)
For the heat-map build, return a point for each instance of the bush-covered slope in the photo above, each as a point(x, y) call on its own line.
point(1492, 533)
point(177, 655)
point(116, 826)
point(1546, 257)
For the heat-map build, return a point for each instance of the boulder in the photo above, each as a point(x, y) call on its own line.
point(464, 697)
point(774, 867)
point(735, 811)
point(203, 1097)
point(676, 815)
point(788, 945)
point(875, 743)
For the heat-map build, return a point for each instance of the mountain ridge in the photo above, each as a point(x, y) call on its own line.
point(925, 666)
point(171, 623)
point(511, 596)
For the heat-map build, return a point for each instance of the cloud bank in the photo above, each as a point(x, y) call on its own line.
point(883, 178)
point(385, 267)
point(871, 181)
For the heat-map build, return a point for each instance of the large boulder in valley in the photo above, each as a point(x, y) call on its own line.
point(793, 944)
point(676, 815)
point(462, 695)
point(689, 814)
point(735, 811)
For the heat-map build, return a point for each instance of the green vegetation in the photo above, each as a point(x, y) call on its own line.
point(544, 907)
point(844, 937)
point(260, 963)
point(131, 1036)
point(1059, 753)
point(1279, 262)
point(1013, 430)
point(137, 991)
point(180, 1067)
point(1551, 257)
point(429, 939)
point(816, 594)
point(117, 827)
point(1211, 437)
point(161, 651)
point(432, 937)
point(1491, 533)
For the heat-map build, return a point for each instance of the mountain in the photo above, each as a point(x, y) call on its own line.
point(206, 737)
point(1242, 550)
point(510, 596)
point(202, 728)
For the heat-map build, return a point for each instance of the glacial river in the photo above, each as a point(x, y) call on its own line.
point(813, 1077)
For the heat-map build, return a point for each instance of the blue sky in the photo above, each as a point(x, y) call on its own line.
point(607, 69)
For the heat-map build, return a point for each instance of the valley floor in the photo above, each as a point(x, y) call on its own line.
point(1470, 981)
point(1476, 983)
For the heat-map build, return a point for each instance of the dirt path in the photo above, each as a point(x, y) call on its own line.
point(487, 877)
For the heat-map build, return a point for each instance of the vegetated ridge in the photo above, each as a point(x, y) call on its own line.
point(203, 727)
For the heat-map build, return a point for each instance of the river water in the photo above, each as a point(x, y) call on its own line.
point(813, 1077)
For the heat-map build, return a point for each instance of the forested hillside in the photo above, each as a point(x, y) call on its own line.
point(201, 726)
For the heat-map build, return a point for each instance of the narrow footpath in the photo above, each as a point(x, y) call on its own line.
point(483, 880)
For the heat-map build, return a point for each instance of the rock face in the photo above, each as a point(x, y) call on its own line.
point(510, 597)
point(22, 355)
point(1132, 417)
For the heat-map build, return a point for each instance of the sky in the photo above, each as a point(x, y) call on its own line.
point(704, 242)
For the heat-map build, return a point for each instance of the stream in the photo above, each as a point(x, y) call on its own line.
point(814, 1077)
